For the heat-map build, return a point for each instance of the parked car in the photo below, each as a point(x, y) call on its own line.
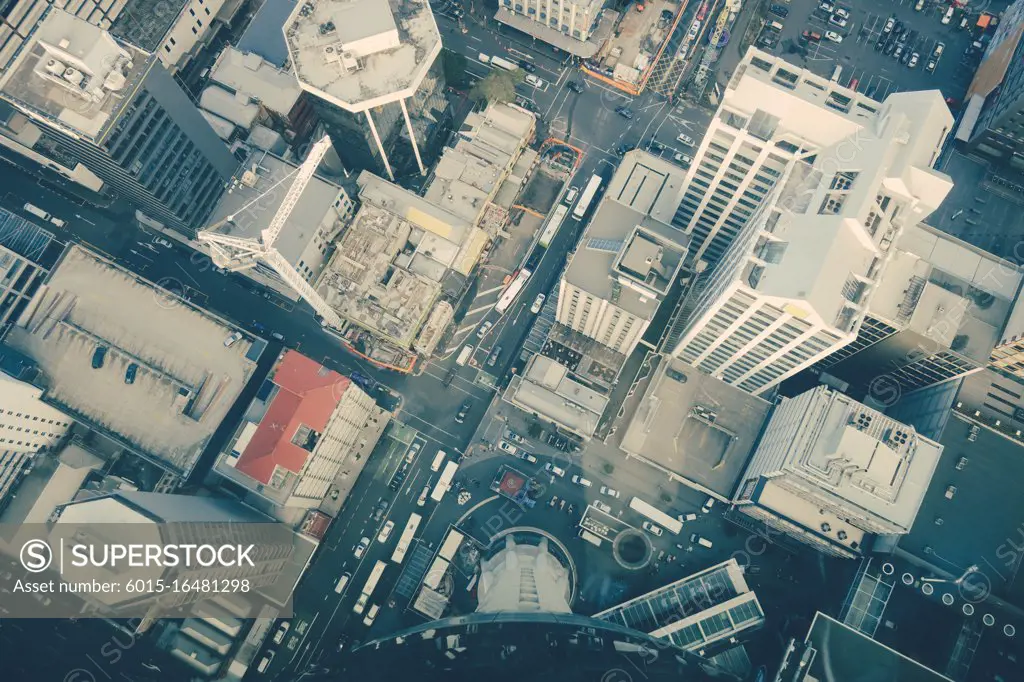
point(682, 159)
point(841, 12)
point(534, 81)
point(655, 147)
point(580, 481)
point(905, 59)
point(538, 303)
point(371, 614)
point(98, 356)
point(652, 529)
point(890, 23)
point(610, 492)
point(948, 16)
point(826, 7)
point(708, 504)
point(813, 36)
point(890, 48)
point(515, 437)
point(914, 58)
point(526, 457)
point(898, 53)
point(552, 469)
point(625, 112)
point(703, 542)
point(601, 506)
point(690, 516)
point(492, 359)
point(937, 52)
point(685, 139)
point(361, 548)
point(129, 375)
point(265, 663)
point(780, 10)
point(505, 446)
point(484, 328)
point(385, 532)
point(833, 36)
point(282, 630)
point(527, 66)
point(837, 21)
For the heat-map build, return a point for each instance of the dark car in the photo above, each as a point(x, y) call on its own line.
point(624, 111)
point(890, 48)
point(463, 411)
point(129, 375)
point(656, 147)
point(622, 149)
point(574, 86)
point(780, 10)
point(382, 506)
point(527, 66)
point(492, 359)
point(98, 356)
point(364, 382)
point(449, 376)
point(905, 59)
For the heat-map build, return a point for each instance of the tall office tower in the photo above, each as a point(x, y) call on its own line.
point(101, 110)
point(993, 117)
point(794, 287)
point(773, 114)
point(371, 65)
point(831, 472)
point(523, 577)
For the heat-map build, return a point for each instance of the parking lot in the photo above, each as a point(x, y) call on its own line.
point(869, 57)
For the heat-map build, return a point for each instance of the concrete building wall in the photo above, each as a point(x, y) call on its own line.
point(575, 18)
point(27, 424)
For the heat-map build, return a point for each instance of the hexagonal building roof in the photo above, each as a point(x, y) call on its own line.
point(360, 54)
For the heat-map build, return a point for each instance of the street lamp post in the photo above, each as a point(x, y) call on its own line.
point(970, 569)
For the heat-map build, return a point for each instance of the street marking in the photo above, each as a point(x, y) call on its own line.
point(474, 311)
point(490, 291)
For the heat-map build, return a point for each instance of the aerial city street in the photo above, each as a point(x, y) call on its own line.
point(472, 339)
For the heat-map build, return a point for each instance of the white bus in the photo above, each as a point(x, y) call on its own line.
point(445, 482)
point(406, 538)
point(464, 355)
point(554, 223)
point(588, 196)
point(370, 586)
point(512, 291)
point(835, 74)
point(504, 63)
point(655, 515)
point(451, 544)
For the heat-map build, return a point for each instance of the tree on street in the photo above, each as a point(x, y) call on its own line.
point(499, 86)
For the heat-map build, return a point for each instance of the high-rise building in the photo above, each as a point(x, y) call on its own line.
point(831, 472)
point(628, 258)
point(794, 286)
point(773, 114)
point(993, 120)
point(27, 424)
point(937, 314)
point(523, 577)
point(373, 67)
point(101, 110)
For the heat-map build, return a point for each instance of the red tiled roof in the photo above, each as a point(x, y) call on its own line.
point(308, 394)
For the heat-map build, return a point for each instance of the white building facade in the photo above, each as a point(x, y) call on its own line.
point(830, 472)
point(794, 286)
point(27, 424)
point(574, 18)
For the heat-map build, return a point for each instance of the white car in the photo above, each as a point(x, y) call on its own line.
point(233, 339)
point(833, 36)
point(570, 196)
point(538, 303)
point(685, 139)
point(422, 500)
point(681, 158)
point(579, 480)
point(914, 58)
point(708, 504)
point(610, 492)
point(282, 630)
point(690, 516)
point(371, 614)
point(361, 548)
point(552, 469)
point(889, 25)
point(837, 21)
point(841, 12)
point(826, 7)
point(265, 663)
point(601, 506)
point(160, 241)
point(534, 81)
point(505, 446)
point(652, 529)
point(385, 532)
point(948, 16)
point(484, 328)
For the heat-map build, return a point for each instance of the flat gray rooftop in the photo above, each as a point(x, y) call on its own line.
point(667, 433)
point(87, 303)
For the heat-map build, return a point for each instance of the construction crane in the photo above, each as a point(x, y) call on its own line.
point(242, 253)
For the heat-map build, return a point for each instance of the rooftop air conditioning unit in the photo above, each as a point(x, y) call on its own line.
point(54, 67)
point(331, 54)
point(73, 76)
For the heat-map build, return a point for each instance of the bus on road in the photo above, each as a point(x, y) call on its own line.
point(445, 482)
point(503, 63)
point(406, 538)
point(511, 292)
point(554, 222)
point(588, 196)
point(655, 515)
point(370, 586)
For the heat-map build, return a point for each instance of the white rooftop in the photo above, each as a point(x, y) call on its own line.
point(74, 73)
point(88, 303)
point(359, 54)
point(547, 388)
point(254, 77)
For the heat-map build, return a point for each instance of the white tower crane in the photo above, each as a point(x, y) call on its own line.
point(240, 253)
